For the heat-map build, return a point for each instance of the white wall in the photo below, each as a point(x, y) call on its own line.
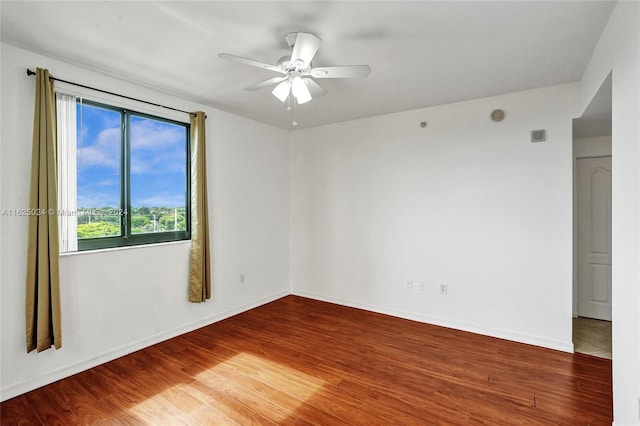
point(117, 301)
point(464, 201)
point(619, 51)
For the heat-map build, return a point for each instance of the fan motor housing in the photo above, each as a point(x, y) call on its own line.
point(288, 66)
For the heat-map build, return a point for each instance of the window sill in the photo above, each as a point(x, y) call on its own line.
point(136, 247)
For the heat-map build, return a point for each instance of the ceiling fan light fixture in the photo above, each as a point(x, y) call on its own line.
point(296, 73)
point(282, 91)
point(300, 90)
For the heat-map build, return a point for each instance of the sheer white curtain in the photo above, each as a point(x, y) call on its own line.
point(67, 186)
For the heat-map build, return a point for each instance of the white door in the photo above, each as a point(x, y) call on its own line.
point(593, 177)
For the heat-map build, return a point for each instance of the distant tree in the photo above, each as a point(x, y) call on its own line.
point(143, 220)
point(98, 229)
point(140, 221)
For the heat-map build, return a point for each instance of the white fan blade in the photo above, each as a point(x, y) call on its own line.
point(346, 71)
point(251, 62)
point(266, 83)
point(314, 88)
point(305, 48)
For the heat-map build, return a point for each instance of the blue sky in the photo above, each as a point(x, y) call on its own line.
point(158, 160)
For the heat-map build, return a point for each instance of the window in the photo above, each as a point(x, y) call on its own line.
point(132, 178)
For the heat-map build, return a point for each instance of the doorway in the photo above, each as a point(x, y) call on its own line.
point(592, 285)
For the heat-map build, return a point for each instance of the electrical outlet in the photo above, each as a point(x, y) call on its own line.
point(242, 277)
point(409, 284)
point(421, 285)
point(443, 288)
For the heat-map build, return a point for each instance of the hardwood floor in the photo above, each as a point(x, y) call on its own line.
point(298, 361)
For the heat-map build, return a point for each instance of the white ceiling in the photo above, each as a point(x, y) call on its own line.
point(422, 53)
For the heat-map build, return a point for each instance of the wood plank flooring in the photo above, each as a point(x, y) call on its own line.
point(298, 361)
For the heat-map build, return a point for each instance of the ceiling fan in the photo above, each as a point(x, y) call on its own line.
point(297, 72)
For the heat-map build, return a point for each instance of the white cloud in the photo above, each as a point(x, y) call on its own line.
point(161, 199)
point(157, 147)
point(154, 135)
point(159, 162)
point(104, 151)
point(108, 182)
point(96, 199)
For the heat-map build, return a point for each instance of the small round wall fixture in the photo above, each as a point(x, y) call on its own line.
point(497, 115)
point(423, 124)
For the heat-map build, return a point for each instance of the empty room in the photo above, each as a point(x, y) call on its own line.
point(320, 212)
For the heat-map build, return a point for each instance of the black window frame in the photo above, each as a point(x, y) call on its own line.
point(126, 237)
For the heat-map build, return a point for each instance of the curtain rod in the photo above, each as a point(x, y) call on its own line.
point(30, 73)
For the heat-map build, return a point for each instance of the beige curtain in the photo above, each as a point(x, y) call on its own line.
point(43, 282)
point(200, 268)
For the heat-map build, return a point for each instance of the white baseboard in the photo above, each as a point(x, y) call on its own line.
point(69, 370)
point(626, 424)
point(493, 332)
